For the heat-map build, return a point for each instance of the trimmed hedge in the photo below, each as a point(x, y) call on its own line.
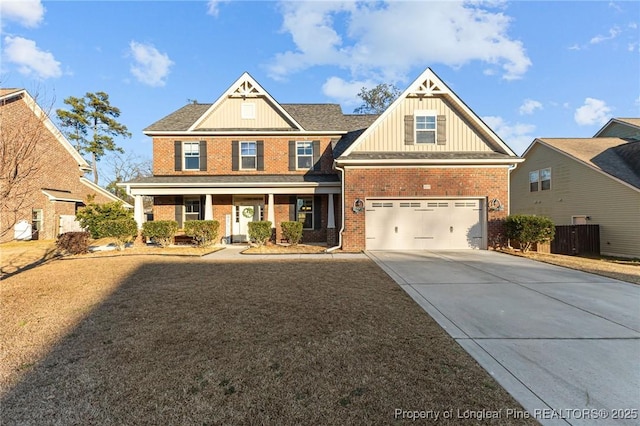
point(260, 232)
point(123, 230)
point(529, 229)
point(292, 231)
point(92, 216)
point(73, 242)
point(160, 232)
point(204, 232)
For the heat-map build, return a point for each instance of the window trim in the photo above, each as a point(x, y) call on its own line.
point(191, 201)
point(310, 212)
point(425, 113)
point(311, 156)
point(539, 182)
point(248, 111)
point(184, 154)
point(241, 156)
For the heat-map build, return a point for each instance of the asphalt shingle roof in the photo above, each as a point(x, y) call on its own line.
point(239, 179)
point(312, 117)
point(614, 156)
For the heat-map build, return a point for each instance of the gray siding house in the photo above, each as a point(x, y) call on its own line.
point(586, 181)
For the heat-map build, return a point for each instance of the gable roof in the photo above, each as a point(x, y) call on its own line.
point(614, 157)
point(246, 86)
point(8, 94)
point(632, 124)
point(429, 84)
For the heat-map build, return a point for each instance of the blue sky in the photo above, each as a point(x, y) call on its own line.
point(528, 68)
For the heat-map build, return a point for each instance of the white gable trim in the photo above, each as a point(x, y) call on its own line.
point(41, 115)
point(566, 154)
point(429, 84)
point(104, 192)
point(245, 86)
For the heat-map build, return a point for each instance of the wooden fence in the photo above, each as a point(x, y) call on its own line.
point(576, 240)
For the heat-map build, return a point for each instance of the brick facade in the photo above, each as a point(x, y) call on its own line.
point(363, 183)
point(53, 168)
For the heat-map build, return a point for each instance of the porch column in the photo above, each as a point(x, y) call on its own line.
point(271, 215)
point(208, 207)
point(331, 219)
point(138, 210)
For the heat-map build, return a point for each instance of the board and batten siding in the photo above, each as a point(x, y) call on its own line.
point(228, 116)
point(578, 190)
point(389, 134)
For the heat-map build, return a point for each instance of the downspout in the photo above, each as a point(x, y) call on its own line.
point(330, 249)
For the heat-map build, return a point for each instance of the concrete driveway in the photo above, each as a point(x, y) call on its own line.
point(564, 343)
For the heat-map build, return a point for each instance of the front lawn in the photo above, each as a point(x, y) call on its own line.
point(160, 340)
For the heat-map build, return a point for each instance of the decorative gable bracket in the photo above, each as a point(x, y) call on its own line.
point(428, 87)
point(245, 89)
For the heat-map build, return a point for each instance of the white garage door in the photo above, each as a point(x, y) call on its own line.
point(424, 224)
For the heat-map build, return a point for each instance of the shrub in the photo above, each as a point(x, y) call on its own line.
point(73, 242)
point(529, 229)
point(123, 230)
point(160, 231)
point(91, 216)
point(292, 231)
point(260, 232)
point(204, 232)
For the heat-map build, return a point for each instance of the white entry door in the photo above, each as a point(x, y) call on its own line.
point(244, 214)
point(419, 224)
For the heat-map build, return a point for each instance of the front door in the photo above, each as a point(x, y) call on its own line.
point(244, 213)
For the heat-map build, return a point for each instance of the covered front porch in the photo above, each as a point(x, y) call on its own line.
point(314, 201)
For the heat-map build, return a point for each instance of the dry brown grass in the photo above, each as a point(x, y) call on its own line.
point(618, 269)
point(174, 340)
point(286, 249)
point(17, 255)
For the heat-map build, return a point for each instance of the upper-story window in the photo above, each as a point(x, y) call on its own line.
point(191, 155)
point(540, 180)
point(426, 126)
point(248, 155)
point(304, 155)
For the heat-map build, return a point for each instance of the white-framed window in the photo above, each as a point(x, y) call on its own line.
point(534, 177)
point(304, 210)
point(191, 209)
point(540, 180)
point(191, 155)
point(304, 155)
point(425, 126)
point(36, 220)
point(248, 110)
point(545, 179)
point(248, 155)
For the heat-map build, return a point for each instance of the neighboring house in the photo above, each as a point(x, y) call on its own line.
point(42, 174)
point(586, 181)
point(427, 173)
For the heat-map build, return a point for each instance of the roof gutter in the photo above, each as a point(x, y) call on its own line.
point(331, 249)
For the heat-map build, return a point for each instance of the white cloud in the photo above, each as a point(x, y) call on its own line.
point(345, 92)
point(594, 111)
point(29, 58)
point(613, 33)
point(150, 67)
point(384, 40)
point(529, 106)
point(212, 7)
point(518, 136)
point(28, 13)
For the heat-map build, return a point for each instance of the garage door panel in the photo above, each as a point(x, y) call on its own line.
point(411, 224)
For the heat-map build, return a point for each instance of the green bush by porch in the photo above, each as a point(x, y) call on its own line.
point(204, 232)
point(160, 232)
point(292, 231)
point(260, 232)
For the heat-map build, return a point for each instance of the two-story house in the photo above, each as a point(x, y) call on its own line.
point(580, 181)
point(41, 173)
point(427, 173)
